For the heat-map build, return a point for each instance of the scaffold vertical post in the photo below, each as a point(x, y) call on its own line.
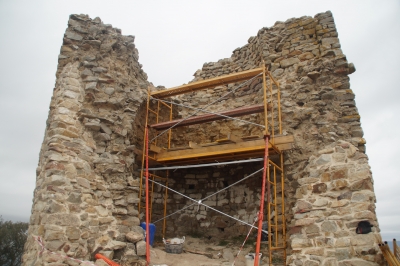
point(261, 212)
point(272, 112)
point(151, 196)
point(170, 130)
point(157, 118)
point(265, 101)
point(269, 215)
point(279, 108)
point(283, 208)
point(165, 204)
point(143, 153)
point(147, 198)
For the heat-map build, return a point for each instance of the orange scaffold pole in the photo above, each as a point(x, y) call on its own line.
point(261, 212)
point(147, 199)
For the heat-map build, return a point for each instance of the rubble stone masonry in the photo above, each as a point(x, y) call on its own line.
point(86, 196)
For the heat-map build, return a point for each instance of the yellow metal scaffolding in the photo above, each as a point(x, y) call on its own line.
point(233, 148)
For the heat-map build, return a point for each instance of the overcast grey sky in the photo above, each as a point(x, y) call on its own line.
point(174, 39)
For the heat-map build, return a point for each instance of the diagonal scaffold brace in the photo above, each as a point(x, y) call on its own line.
point(261, 212)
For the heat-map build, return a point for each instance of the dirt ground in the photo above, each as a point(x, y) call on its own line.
point(211, 254)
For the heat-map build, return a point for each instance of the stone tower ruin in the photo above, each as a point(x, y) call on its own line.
point(87, 193)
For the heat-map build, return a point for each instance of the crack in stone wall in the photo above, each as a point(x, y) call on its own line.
point(86, 193)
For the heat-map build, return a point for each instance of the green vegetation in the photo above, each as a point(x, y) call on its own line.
point(12, 240)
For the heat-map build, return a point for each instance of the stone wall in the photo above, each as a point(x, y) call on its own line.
point(241, 201)
point(86, 193)
point(87, 187)
point(327, 169)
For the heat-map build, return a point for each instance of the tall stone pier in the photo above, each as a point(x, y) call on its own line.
point(87, 187)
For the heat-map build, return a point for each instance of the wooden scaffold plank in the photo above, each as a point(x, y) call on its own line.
point(209, 117)
point(204, 84)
